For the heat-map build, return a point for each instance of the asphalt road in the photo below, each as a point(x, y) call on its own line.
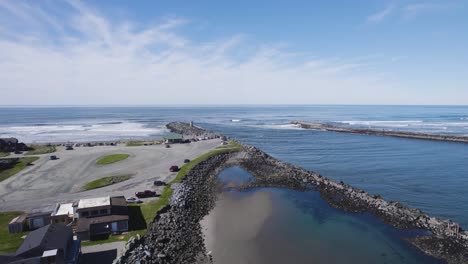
point(50, 181)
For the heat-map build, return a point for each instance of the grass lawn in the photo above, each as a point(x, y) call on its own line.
point(20, 165)
point(149, 210)
point(102, 182)
point(9, 242)
point(4, 154)
point(134, 143)
point(40, 149)
point(111, 159)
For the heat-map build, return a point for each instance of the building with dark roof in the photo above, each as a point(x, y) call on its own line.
point(173, 138)
point(49, 244)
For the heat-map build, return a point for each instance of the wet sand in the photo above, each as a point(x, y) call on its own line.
point(246, 217)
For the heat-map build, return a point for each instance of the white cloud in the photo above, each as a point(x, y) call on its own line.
point(90, 59)
point(381, 15)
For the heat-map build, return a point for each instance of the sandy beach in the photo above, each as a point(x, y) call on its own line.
point(231, 228)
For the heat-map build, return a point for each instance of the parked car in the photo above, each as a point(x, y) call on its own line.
point(145, 194)
point(224, 143)
point(18, 152)
point(133, 200)
point(159, 183)
point(68, 148)
point(186, 160)
point(167, 146)
point(53, 157)
point(174, 168)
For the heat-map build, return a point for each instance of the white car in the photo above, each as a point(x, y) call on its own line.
point(133, 200)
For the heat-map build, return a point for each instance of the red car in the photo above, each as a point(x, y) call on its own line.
point(145, 194)
point(174, 168)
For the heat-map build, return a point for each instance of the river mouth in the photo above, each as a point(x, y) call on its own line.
point(278, 225)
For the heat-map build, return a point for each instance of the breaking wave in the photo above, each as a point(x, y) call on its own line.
point(100, 131)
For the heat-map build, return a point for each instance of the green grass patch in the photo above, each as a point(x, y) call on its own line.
point(134, 143)
point(9, 243)
point(40, 149)
point(149, 210)
point(4, 154)
point(111, 159)
point(20, 164)
point(105, 181)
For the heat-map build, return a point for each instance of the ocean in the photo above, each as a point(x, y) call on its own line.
point(429, 175)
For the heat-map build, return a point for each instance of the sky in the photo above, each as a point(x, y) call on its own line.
point(233, 52)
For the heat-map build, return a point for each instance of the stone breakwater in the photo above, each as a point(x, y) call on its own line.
point(448, 241)
point(175, 235)
point(376, 132)
point(187, 129)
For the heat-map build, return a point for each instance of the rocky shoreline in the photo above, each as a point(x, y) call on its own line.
point(175, 236)
point(376, 132)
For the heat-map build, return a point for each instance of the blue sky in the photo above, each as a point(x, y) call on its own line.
point(234, 52)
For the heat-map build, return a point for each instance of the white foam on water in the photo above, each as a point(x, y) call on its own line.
point(88, 131)
point(380, 123)
point(413, 125)
point(235, 120)
point(278, 126)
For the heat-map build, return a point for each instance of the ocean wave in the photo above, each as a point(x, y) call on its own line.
point(389, 123)
point(235, 120)
point(277, 126)
point(82, 132)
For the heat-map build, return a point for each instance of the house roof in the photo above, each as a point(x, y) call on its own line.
point(173, 136)
point(119, 206)
point(53, 236)
point(38, 214)
point(63, 209)
point(18, 219)
point(94, 202)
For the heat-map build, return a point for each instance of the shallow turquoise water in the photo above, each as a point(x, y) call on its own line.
point(303, 228)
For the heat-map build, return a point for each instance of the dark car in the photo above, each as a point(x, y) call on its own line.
point(145, 194)
point(53, 157)
point(18, 152)
point(159, 183)
point(68, 148)
point(186, 160)
point(167, 146)
point(174, 168)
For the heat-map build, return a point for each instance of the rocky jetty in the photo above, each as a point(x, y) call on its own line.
point(175, 236)
point(189, 129)
point(377, 132)
point(448, 241)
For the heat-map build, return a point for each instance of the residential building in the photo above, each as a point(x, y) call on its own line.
point(62, 214)
point(174, 138)
point(52, 243)
point(101, 216)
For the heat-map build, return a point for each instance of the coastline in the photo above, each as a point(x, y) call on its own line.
point(377, 132)
point(198, 194)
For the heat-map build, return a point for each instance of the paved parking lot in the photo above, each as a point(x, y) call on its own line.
point(51, 181)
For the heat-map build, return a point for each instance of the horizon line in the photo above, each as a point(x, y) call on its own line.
point(215, 105)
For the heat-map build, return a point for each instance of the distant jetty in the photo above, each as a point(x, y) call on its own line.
point(380, 132)
point(175, 234)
